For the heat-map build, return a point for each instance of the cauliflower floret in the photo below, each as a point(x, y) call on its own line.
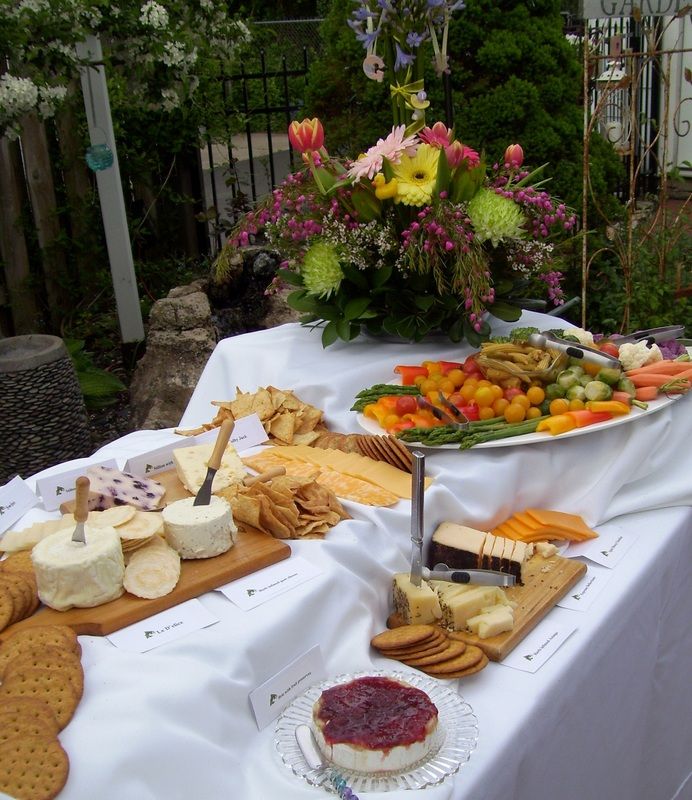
point(633, 356)
point(584, 337)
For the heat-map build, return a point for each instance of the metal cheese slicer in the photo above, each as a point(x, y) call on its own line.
point(417, 490)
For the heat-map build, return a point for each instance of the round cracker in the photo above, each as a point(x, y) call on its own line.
point(12, 725)
point(51, 658)
point(18, 561)
point(471, 656)
point(21, 593)
point(395, 620)
point(143, 525)
point(58, 635)
point(7, 607)
point(30, 708)
point(152, 572)
point(465, 673)
point(49, 685)
point(33, 768)
point(453, 650)
point(435, 643)
point(405, 636)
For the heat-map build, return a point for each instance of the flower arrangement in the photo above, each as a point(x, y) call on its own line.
point(416, 235)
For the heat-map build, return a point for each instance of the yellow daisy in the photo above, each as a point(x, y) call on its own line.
point(416, 176)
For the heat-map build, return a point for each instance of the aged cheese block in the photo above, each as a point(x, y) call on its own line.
point(191, 466)
point(460, 602)
point(416, 604)
point(71, 574)
point(199, 531)
point(491, 621)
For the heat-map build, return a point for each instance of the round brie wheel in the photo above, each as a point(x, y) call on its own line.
point(75, 575)
point(199, 531)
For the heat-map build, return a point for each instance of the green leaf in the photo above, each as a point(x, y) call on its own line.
point(355, 276)
point(288, 276)
point(302, 301)
point(381, 276)
point(330, 334)
point(505, 311)
point(354, 308)
point(444, 174)
point(425, 302)
point(365, 203)
point(99, 383)
point(343, 329)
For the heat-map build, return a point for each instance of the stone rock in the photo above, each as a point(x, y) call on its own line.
point(183, 312)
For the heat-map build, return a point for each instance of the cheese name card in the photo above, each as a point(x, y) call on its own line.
point(59, 487)
point(16, 498)
point(608, 550)
point(582, 595)
point(154, 461)
point(174, 623)
point(247, 432)
point(542, 643)
point(270, 698)
point(255, 589)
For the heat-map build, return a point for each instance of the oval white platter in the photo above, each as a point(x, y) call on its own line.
point(371, 426)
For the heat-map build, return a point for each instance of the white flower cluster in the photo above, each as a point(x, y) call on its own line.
point(18, 96)
point(31, 6)
point(50, 99)
point(366, 247)
point(173, 54)
point(529, 257)
point(153, 15)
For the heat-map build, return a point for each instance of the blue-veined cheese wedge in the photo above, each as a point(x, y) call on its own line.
point(110, 487)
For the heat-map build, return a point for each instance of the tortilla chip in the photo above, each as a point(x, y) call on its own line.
point(283, 427)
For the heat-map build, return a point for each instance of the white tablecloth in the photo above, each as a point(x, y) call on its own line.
point(608, 716)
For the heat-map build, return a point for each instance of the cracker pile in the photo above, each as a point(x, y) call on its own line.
point(153, 570)
point(435, 651)
point(42, 681)
point(380, 448)
point(286, 507)
point(18, 593)
point(286, 418)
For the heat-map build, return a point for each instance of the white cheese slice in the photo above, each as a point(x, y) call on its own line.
point(458, 603)
point(71, 574)
point(416, 604)
point(191, 466)
point(491, 621)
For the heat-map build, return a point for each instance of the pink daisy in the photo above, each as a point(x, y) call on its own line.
point(391, 148)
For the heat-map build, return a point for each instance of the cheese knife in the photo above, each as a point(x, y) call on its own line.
point(480, 577)
point(315, 760)
point(81, 508)
point(203, 497)
point(417, 489)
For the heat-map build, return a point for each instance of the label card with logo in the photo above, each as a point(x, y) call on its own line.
point(154, 461)
point(275, 694)
point(174, 623)
point(59, 487)
point(247, 432)
point(581, 596)
point(545, 640)
point(257, 588)
point(608, 550)
point(16, 498)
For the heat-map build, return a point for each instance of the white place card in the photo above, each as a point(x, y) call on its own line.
point(270, 698)
point(171, 624)
point(16, 498)
point(542, 643)
point(155, 461)
point(608, 550)
point(59, 487)
point(267, 583)
point(247, 432)
point(582, 595)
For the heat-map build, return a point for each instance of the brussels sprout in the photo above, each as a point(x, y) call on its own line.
point(626, 385)
point(553, 390)
point(577, 369)
point(609, 375)
point(597, 390)
point(585, 379)
point(576, 392)
point(566, 379)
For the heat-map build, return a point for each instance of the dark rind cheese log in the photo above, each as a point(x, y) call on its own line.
point(460, 547)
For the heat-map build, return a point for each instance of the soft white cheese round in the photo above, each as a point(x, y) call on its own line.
point(71, 574)
point(199, 531)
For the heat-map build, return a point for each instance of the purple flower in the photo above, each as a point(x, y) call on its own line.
point(403, 59)
point(414, 39)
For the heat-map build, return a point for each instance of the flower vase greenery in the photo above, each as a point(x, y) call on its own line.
point(416, 235)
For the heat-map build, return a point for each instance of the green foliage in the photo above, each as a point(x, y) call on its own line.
point(99, 387)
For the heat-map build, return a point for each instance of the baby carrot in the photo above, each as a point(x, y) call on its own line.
point(654, 379)
point(646, 393)
point(665, 367)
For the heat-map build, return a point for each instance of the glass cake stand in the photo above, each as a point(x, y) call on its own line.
point(454, 741)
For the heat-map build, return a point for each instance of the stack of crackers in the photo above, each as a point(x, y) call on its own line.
point(286, 507)
point(42, 684)
point(433, 650)
point(18, 594)
point(380, 448)
point(285, 417)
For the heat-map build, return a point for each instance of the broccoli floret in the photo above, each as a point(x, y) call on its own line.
point(521, 334)
point(499, 339)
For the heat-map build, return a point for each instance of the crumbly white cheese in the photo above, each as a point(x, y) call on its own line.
point(191, 466)
point(492, 621)
point(71, 574)
point(199, 531)
point(460, 602)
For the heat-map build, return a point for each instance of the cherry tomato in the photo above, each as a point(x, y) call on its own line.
point(457, 377)
point(470, 365)
point(609, 348)
point(536, 395)
point(484, 396)
point(500, 405)
point(467, 391)
point(513, 391)
point(429, 385)
point(576, 404)
point(457, 399)
point(498, 391)
point(522, 400)
point(533, 413)
point(406, 404)
point(446, 385)
point(486, 413)
point(558, 406)
point(404, 425)
point(470, 411)
point(515, 413)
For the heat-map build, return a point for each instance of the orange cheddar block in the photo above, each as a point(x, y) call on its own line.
point(519, 526)
point(572, 524)
point(504, 530)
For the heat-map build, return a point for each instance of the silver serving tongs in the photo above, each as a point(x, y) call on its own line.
point(81, 508)
point(588, 355)
point(417, 490)
point(444, 416)
point(650, 335)
point(480, 577)
point(203, 497)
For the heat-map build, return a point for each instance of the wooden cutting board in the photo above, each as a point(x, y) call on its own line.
point(251, 552)
point(548, 581)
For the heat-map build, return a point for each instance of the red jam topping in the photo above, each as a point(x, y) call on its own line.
point(375, 713)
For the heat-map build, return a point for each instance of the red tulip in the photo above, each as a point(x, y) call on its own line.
point(306, 136)
point(458, 152)
point(514, 156)
point(437, 136)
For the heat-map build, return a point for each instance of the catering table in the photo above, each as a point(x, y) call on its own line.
point(609, 715)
